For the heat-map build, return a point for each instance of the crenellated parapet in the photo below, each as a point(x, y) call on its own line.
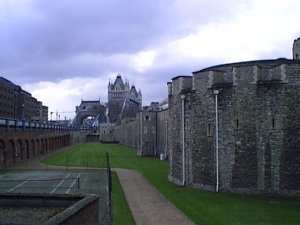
point(248, 73)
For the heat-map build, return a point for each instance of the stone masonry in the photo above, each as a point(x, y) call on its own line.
point(259, 127)
point(147, 133)
point(253, 148)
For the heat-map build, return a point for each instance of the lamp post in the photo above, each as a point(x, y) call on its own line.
point(183, 139)
point(216, 92)
point(23, 112)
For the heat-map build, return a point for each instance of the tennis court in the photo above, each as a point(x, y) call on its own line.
point(67, 182)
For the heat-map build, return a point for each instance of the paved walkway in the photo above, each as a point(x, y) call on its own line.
point(148, 206)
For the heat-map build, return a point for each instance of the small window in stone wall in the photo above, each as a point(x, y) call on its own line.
point(273, 123)
point(147, 117)
point(237, 125)
point(208, 129)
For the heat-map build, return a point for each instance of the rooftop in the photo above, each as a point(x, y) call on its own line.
point(261, 63)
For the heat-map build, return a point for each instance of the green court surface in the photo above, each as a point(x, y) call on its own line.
point(48, 182)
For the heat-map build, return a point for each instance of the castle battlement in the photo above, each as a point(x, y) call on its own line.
point(181, 84)
point(239, 74)
point(296, 49)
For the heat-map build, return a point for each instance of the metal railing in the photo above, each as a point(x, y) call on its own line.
point(108, 217)
point(21, 124)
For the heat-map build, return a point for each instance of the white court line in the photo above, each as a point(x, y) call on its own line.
point(60, 183)
point(73, 183)
point(11, 190)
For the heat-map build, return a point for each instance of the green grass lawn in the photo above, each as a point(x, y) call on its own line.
point(202, 207)
point(121, 211)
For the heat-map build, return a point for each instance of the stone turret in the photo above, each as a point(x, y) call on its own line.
point(296, 49)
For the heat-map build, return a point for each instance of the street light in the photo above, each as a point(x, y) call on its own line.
point(183, 139)
point(23, 113)
point(216, 92)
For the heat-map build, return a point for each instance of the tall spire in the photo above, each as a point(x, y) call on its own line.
point(109, 85)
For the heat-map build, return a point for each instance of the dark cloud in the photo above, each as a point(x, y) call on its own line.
point(39, 39)
point(52, 40)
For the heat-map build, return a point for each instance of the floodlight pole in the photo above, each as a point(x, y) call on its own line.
point(183, 140)
point(216, 92)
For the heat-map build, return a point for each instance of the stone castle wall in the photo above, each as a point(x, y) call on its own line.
point(147, 133)
point(259, 127)
point(258, 105)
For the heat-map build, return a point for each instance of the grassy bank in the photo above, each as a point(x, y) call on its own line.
point(121, 211)
point(203, 208)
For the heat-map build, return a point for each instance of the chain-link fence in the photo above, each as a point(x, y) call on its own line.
point(35, 178)
point(107, 217)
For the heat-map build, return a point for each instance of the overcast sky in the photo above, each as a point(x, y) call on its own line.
point(63, 51)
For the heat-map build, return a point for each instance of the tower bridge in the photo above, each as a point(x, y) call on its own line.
point(89, 114)
point(123, 101)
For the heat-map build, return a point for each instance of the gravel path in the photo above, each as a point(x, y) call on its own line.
point(148, 206)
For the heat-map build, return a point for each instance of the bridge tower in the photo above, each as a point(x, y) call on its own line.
point(123, 100)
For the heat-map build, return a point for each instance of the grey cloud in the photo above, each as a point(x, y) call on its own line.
point(39, 40)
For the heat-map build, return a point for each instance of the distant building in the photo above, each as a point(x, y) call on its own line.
point(123, 100)
point(164, 104)
point(42, 112)
point(296, 49)
point(15, 103)
point(7, 99)
point(27, 106)
point(153, 107)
